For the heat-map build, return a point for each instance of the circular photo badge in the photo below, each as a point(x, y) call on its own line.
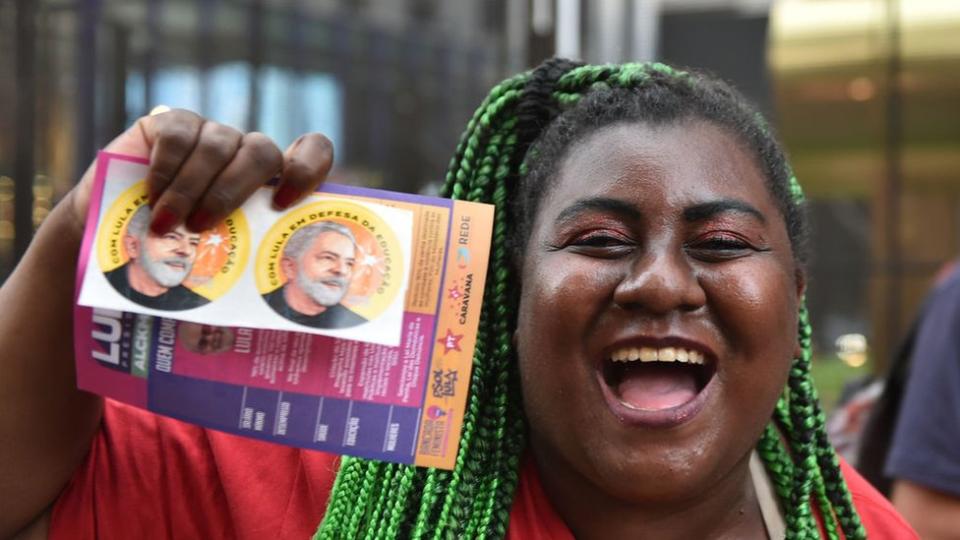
point(176, 271)
point(331, 264)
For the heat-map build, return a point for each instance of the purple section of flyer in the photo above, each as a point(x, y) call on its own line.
point(341, 189)
point(370, 430)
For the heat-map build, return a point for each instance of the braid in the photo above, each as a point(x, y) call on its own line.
point(433, 485)
point(347, 485)
point(833, 496)
point(801, 437)
point(379, 515)
point(835, 488)
point(507, 156)
point(398, 509)
point(474, 499)
point(366, 492)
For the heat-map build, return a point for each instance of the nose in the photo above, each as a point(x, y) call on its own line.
point(184, 248)
point(660, 282)
point(339, 268)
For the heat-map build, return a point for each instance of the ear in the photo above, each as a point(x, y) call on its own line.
point(131, 243)
point(801, 280)
point(289, 268)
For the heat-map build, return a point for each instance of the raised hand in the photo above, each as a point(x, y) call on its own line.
point(201, 170)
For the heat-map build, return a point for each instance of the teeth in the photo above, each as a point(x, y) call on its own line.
point(649, 354)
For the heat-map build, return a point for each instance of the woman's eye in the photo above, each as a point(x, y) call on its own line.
point(600, 245)
point(598, 241)
point(723, 244)
point(720, 246)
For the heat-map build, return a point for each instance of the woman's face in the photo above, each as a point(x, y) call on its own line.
point(658, 312)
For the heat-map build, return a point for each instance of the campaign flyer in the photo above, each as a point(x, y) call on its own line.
point(346, 323)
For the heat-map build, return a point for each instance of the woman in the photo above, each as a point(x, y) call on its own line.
point(644, 300)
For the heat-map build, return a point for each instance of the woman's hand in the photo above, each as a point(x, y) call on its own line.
point(200, 171)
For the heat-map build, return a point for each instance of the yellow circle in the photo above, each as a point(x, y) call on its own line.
point(111, 253)
point(222, 253)
point(378, 272)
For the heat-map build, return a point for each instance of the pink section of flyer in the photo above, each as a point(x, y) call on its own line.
point(97, 341)
point(287, 361)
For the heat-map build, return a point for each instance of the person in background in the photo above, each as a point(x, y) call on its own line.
point(924, 457)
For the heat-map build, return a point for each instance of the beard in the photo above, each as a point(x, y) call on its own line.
point(326, 292)
point(163, 273)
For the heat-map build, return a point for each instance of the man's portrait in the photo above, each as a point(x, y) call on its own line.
point(318, 262)
point(153, 277)
point(205, 339)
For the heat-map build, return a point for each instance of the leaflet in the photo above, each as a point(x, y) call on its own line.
point(346, 323)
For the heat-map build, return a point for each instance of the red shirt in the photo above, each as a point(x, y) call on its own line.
point(153, 477)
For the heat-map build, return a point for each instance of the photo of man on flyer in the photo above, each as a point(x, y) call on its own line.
point(318, 263)
point(204, 338)
point(158, 265)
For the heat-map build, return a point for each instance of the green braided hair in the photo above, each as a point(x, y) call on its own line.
point(507, 156)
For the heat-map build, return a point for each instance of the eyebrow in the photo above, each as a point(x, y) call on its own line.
point(698, 212)
point(702, 211)
point(337, 255)
point(598, 204)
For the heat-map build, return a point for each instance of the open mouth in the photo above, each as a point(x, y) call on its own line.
point(657, 379)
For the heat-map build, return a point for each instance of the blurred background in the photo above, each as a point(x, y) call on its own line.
point(865, 94)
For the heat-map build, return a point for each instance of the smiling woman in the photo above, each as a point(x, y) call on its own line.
point(642, 361)
point(677, 246)
point(655, 243)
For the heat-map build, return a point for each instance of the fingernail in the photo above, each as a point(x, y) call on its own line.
point(200, 221)
point(285, 196)
point(164, 220)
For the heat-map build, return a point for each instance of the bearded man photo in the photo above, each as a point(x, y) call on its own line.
point(158, 266)
point(318, 263)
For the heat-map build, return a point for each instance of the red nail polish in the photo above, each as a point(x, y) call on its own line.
point(200, 221)
point(163, 220)
point(285, 196)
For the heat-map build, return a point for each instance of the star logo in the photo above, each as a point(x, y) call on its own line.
point(455, 293)
point(367, 259)
point(214, 240)
point(450, 342)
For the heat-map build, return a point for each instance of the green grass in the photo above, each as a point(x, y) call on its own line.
point(830, 375)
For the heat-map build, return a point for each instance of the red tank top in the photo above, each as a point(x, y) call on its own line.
point(153, 477)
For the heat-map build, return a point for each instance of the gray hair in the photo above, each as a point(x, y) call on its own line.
point(305, 236)
point(139, 222)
